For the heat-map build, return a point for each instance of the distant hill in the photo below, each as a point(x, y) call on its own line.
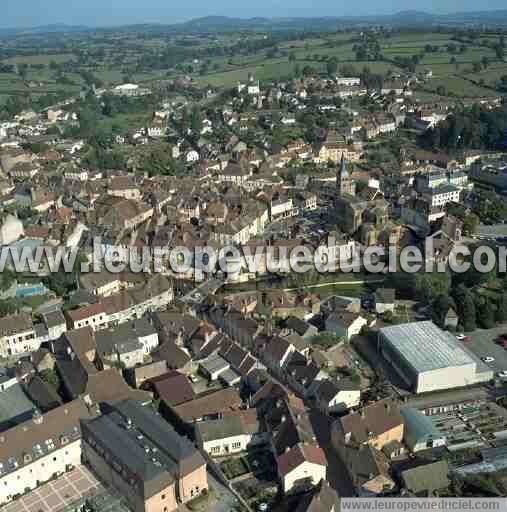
point(225, 23)
point(45, 29)
point(403, 18)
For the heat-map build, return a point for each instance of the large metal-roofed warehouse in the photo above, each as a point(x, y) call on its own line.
point(429, 359)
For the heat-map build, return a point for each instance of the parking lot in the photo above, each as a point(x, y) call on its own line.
point(482, 343)
point(57, 494)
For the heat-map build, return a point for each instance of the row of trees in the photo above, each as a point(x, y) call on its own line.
point(478, 298)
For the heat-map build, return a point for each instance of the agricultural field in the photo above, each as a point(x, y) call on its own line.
point(458, 86)
point(221, 60)
point(40, 59)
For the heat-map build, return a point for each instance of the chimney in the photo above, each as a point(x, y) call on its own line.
point(284, 418)
point(363, 414)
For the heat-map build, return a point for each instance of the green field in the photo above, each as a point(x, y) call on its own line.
point(459, 86)
point(40, 59)
point(122, 123)
point(111, 56)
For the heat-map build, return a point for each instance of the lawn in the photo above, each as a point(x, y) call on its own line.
point(122, 123)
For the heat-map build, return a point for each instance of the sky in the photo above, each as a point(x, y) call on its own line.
point(29, 13)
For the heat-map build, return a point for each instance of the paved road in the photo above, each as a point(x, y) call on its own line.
point(337, 283)
point(482, 343)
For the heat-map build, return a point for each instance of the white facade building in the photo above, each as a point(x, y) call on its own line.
point(17, 336)
point(35, 451)
point(348, 81)
point(442, 195)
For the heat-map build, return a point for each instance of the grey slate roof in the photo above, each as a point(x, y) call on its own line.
point(159, 457)
point(15, 407)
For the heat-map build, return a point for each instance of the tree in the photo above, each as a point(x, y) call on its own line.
point(485, 312)
point(501, 308)
point(441, 90)
point(473, 277)
point(465, 303)
point(23, 70)
point(470, 224)
point(51, 377)
point(430, 285)
point(7, 277)
point(8, 307)
point(439, 308)
point(388, 317)
point(332, 66)
point(326, 339)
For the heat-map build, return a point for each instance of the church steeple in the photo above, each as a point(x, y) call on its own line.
point(344, 182)
point(343, 167)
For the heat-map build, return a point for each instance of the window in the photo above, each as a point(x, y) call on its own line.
point(163, 496)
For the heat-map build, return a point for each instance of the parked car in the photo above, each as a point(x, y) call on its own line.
point(488, 359)
point(462, 337)
point(502, 375)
